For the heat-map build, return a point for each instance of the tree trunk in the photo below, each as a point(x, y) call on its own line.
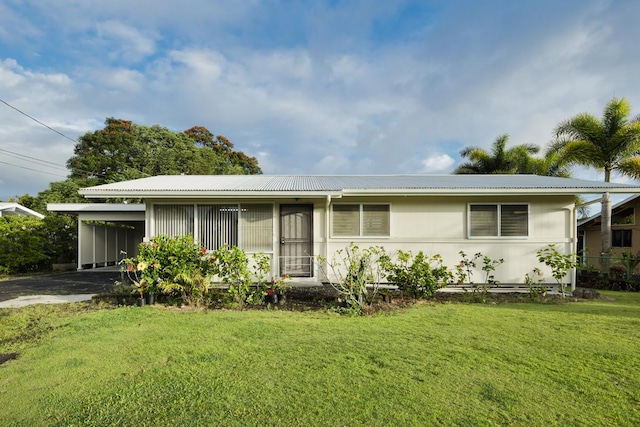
point(605, 226)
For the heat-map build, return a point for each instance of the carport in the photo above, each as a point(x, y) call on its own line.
point(107, 232)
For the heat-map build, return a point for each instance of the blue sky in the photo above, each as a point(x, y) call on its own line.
point(317, 87)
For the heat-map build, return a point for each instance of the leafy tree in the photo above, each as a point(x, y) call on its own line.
point(499, 161)
point(123, 150)
point(224, 148)
point(611, 143)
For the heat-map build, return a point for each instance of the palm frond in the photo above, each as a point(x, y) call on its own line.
point(615, 115)
point(630, 167)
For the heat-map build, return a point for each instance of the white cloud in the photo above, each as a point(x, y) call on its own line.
point(438, 163)
point(125, 41)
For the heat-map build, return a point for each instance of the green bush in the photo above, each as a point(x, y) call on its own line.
point(178, 267)
point(419, 276)
point(23, 240)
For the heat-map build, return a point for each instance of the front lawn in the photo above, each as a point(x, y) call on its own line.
point(432, 364)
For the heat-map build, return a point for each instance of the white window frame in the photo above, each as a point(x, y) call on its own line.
point(499, 220)
point(361, 220)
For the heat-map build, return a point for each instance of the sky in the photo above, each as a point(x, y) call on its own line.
point(309, 87)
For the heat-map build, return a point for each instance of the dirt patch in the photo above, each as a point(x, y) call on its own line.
point(5, 357)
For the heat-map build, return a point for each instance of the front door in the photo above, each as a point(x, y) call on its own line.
point(296, 240)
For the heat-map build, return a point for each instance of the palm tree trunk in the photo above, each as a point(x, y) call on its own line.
point(605, 231)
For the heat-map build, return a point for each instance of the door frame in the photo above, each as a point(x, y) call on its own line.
point(306, 208)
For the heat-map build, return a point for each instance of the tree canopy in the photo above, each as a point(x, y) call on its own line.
point(500, 160)
point(608, 144)
point(123, 150)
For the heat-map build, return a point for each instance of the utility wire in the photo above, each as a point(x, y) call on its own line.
point(43, 162)
point(37, 121)
point(31, 169)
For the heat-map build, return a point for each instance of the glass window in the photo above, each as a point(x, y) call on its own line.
point(621, 238)
point(498, 220)
point(346, 220)
point(361, 220)
point(624, 217)
point(514, 220)
point(249, 226)
point(483, 220)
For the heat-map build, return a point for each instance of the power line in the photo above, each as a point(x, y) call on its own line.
point(31, 169)
point(37, 121)
point(43, 162)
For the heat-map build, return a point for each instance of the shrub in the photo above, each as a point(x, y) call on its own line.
point(22, 244)
point(173, 266)
point(419, 275)
point(351, 271)
point(559, 263)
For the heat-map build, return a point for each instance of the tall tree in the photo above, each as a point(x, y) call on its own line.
point(499, 161)
point(224, 148)
point(123, 150)
point(608, 144)
point(611, 143)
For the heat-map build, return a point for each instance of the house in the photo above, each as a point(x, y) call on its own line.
point(625, 232)
point(294, 219)
point(11, 209)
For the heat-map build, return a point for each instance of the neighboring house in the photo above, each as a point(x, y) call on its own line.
point(296, 218)
point(625, 232)
point(10, 209)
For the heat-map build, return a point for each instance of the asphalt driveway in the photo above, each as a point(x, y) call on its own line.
point(67, 283)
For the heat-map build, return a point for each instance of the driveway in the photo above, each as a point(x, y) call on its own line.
point(69, 283)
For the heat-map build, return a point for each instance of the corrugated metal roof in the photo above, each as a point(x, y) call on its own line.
point(346, 183)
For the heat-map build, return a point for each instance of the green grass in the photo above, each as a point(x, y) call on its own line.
point(443, 364)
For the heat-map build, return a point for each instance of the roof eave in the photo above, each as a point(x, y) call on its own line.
point(181, 194)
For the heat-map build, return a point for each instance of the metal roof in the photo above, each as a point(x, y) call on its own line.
point(11, 208)
point(319, 185)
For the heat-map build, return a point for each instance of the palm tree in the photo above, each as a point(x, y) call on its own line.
point(499, 161)
point(609, 144)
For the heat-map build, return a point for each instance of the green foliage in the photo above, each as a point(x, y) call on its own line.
point(464, 270)
point(175, 266)
point(352, 270)
point(560, 264)
point(123, 150)
point(232, 268)
point(22, 243)
point(611, 143)
point(420, 276)
point(501, 160)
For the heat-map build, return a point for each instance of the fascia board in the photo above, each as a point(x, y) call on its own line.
point(492, 192)
point(209, 194)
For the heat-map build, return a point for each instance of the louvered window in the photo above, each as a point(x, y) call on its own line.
point(256, 226)
point(173, 220)
point(498, 220)
point(249, 226)
point(218, 225)
point(361, 220)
